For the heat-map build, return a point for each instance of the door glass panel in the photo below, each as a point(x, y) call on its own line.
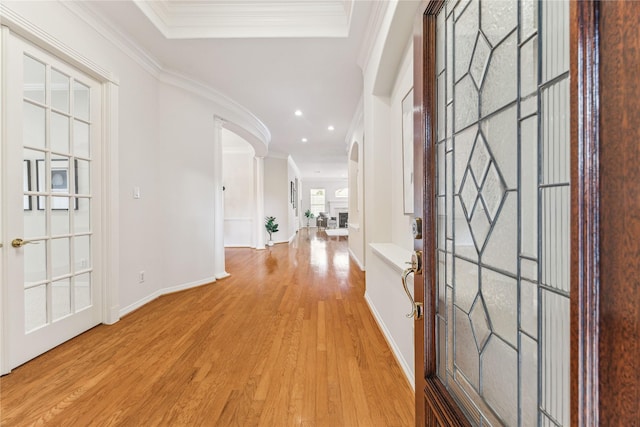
point(80, 139)
point(59, 91)
point(82, 253)
point(35, 73)
point(59, 133)
point(80, 100)
point(60, 298)
point(35, 307)
point(503, 335)
point(82, 291)
point(82, 177)
point(60, 257)
point(59, 217)
point(35, 262)
point(34, 125)
point(81, 216)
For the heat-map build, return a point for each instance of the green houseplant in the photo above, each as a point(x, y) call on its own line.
point(309, 215)
point(271, 226)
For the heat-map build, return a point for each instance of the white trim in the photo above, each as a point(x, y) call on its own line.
point(371, 33)
point(110, 204)
point(408, 372)
point(180, 20)
point(355, 258)
point(235, 117)
point(20, 26)
point(4, 333)
point(169, 290)
point(239, 119)
point(393, 255)
point(114, 35)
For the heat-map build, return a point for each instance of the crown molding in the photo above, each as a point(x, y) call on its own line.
point(26, 29)
point(120, 40)
point(374, 25)
point(236, 117)
point(248, 19)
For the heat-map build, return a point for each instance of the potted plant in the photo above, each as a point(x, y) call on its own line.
point(271, 226)
point(309, 215)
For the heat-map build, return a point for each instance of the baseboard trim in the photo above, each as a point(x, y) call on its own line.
point(394, 347)
point(355, 258)
point(136, 305)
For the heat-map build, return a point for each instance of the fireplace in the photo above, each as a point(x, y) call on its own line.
point(343, 218)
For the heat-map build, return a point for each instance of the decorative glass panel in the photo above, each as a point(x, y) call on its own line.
point(503, 332)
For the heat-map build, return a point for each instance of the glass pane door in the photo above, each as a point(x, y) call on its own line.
point(503, 203)
point(56, 124)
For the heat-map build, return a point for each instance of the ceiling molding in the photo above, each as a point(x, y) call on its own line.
point(371, 33)
point(187, 19)
point(115, 36)
point(19, 25)
point(240, 120)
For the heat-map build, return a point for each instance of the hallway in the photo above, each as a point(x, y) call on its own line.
point(287, 340)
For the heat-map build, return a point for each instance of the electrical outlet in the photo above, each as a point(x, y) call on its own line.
point(141, 277)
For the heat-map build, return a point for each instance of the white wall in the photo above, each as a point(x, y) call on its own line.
point(293, 214)
point(239, 198)
point(400, 222)
point(165, 148)
point(276, 196)
point(356, 199)
point(388, 76)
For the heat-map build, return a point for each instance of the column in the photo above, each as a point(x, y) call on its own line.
point(258, 163)
point(218, 201)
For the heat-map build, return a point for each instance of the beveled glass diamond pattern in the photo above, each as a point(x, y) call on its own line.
point(492, 192)
point(480, 60)
point(480, 323)
point(480, 158)
point(469, 193)
point(480, 226)
point(482, 191)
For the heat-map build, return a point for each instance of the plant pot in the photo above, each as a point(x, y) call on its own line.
point(270, 243)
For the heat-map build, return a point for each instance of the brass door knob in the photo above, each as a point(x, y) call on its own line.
point(18, 243)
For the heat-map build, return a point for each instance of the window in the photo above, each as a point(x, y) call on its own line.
point(317, 201)
point(342, 193)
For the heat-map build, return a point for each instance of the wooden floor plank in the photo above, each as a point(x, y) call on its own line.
point(287, 340)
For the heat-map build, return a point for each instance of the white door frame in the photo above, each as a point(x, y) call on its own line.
point(12, 22)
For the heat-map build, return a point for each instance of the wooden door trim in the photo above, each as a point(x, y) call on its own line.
point(429, 389)
point(585, 208)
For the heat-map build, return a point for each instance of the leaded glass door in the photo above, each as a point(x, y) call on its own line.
point(501, 209)
point(53, 209)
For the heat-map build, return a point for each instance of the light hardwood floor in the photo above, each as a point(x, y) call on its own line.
point(287, 340)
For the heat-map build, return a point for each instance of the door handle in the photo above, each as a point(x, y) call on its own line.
point(416, 268)
point(18, 243)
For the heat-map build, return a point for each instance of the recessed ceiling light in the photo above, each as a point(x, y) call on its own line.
point(304, 140)
point(331, 127)
point(298, 113)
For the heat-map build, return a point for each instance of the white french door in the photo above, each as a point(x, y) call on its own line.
point(52, 202)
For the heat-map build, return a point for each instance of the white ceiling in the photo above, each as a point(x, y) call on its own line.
point(258, 54)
